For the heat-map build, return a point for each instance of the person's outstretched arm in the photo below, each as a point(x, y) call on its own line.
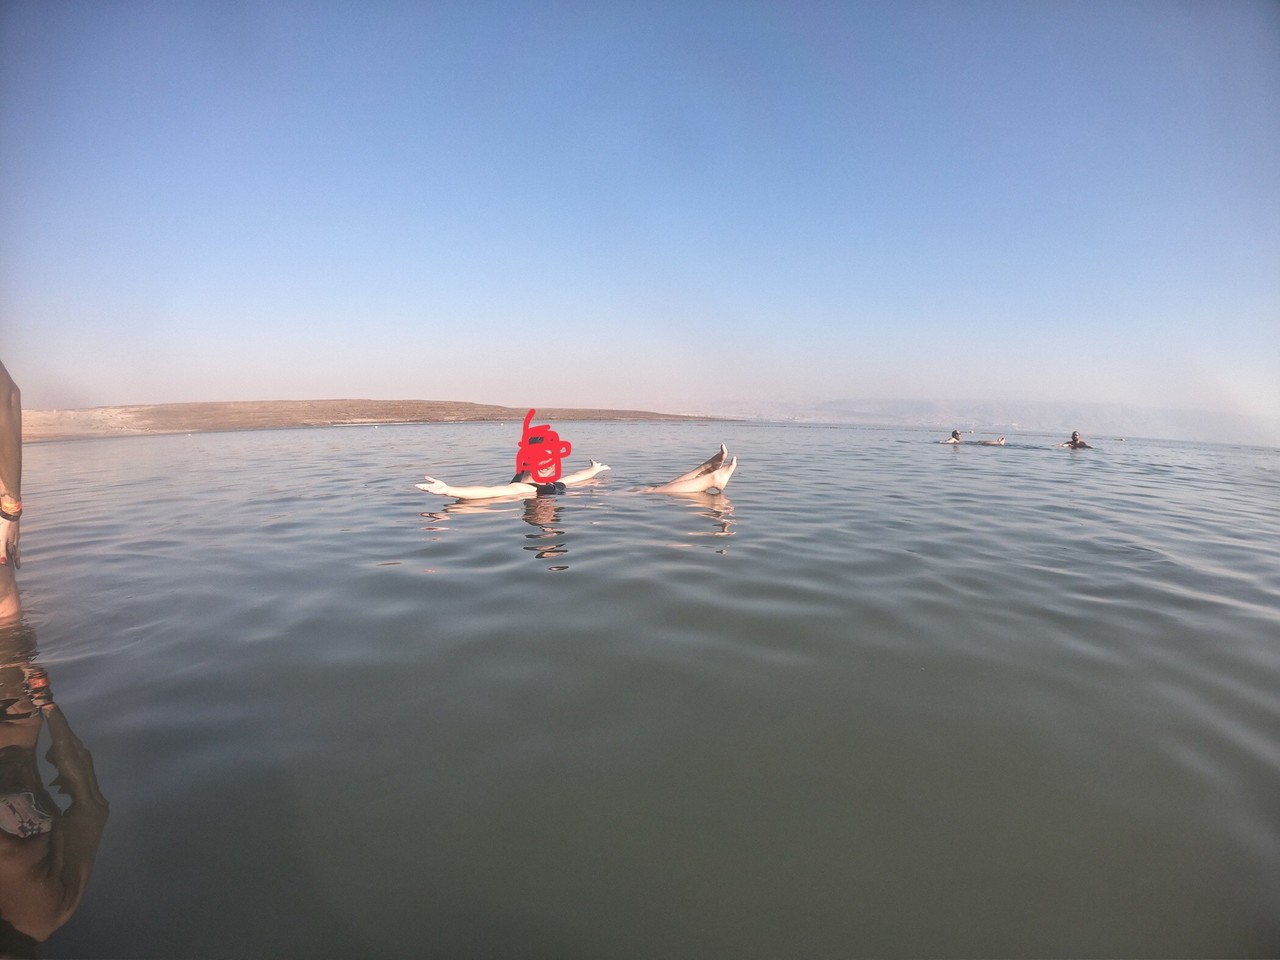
point(582, 476)
point(442, 489)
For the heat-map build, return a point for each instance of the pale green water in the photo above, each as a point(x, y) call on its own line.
point(886, 698)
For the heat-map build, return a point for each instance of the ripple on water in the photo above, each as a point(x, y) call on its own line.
point(886, 696)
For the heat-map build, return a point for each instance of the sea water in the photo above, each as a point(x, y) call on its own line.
point(883, 697)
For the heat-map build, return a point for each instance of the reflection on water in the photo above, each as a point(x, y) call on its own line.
point(560, 517)
point(715, 507)
point(46, 850)
point(544, 513)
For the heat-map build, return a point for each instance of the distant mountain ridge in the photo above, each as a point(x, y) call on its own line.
point(280, 414)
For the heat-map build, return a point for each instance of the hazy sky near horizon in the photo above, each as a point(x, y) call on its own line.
point(665, 205)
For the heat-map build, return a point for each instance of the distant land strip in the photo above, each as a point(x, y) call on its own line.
point(38, 425)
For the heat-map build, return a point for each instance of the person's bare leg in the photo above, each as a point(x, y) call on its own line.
point(712, 475)
point(10, 605)
point(702, 469)
point(10, 468)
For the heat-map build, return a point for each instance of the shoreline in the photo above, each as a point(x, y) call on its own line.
point(149, 419)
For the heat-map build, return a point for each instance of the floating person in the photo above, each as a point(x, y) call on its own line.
point(712, 474)
point(1075, 443)
point(538, 471)
point(954, 438)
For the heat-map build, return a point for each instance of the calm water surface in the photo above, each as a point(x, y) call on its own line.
point(885, 698)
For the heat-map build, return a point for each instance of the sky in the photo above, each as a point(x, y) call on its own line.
point(692, 206)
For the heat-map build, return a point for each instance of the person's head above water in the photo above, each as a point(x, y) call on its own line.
point(955, 434)
point(1075, 434)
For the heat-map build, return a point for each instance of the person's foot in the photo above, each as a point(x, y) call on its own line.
point(716, 462)
point(721, 477)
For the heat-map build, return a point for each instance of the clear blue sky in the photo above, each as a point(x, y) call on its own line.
point(675, 206)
